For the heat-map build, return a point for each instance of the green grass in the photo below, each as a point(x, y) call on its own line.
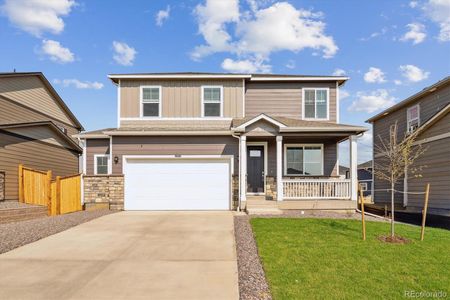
point(327, 259)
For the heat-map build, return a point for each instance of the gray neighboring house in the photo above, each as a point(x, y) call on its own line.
point(36, 129)
point(364, 176)
point(215, 141)
point(427, 111)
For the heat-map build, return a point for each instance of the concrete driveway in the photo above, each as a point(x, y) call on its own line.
point(128, 255)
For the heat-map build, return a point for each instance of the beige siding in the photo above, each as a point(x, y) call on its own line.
point(13, 113)
point(30, 91)
point(282, 98)
point(208, 145)
point(95, 146)
point(35, 154)
point(181, 98)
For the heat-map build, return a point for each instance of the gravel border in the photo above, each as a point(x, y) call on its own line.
point(16, 234)
point(8, 204)
point(252, 278)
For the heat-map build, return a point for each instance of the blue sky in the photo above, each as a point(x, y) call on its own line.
point(389, 49)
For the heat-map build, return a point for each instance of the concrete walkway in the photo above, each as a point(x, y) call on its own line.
point(128, 255)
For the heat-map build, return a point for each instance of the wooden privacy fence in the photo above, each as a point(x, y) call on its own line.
point(61, 196)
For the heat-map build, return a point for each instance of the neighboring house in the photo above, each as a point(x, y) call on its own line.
point(364, 176)
point(207, 141)
point(35, 130)
point(429, 113)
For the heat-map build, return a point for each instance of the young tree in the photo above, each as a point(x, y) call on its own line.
point(395, 159)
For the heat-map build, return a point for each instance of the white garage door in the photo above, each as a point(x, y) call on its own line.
point(177, 184)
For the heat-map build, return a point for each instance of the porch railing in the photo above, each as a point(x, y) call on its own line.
point(316, 189)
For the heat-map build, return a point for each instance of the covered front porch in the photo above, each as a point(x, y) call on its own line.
point(296, 168)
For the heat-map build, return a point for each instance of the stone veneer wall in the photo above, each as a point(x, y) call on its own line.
point(2, 186)
point(271, 188)
point(104, 190)
point(235, 191)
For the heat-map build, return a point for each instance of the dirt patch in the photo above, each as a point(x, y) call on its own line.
point(394, 240)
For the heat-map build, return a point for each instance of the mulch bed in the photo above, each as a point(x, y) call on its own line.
point(252, 279)
point(16, 234)
point(394, 240)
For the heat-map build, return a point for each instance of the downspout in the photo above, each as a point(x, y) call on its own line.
point(239, 173)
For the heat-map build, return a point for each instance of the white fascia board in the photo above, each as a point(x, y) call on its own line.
point(299, 78)
point(322, 129)
point(168, 76)
point(159, 133)
point(91, 136)
point(258, 118)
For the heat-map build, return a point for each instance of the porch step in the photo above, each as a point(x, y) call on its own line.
point(264, 211)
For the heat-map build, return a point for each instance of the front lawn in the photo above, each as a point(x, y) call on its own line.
point(326, 259)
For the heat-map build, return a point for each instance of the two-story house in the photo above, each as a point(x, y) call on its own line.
point(209, 141)
point(36, 129)
point(428, 112)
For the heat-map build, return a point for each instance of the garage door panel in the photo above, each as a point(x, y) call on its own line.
point(177, 185)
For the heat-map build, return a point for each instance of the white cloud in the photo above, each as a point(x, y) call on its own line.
point(416, 33)
point(343, 94)
point(290, 64)
point(56, 52)
point(413, 4)
point(212, 19)
point(398, 82)
point(162, 16)
point(374, 75)
point(38, 16)
point(375, 34)
point(364, 149)
point(373, 101)
point(439, 12)
point(245, 66)
point(413, 73)
point(123, 54)
point(259, 31)
point(79, 84)
point(339, 72)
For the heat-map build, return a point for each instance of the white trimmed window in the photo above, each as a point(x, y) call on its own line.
point(303, 159)
point(150, 101)
point(315, 103)
point(363, 186)
point(212, 100)
point(101, 164)
point(413, 118)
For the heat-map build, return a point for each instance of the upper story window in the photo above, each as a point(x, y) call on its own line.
point(212, 99)
point(101, 166)
point(303, 160)
point(150, 101)
point(413, 118)
point(315, 104)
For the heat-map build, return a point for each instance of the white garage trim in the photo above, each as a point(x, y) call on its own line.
point(228, 159)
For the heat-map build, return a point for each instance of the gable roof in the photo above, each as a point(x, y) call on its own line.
point(411, 99)
point(50, 124)
point(50, 88)
point(251, 77)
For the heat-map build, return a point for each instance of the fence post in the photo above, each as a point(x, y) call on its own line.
point(49, 192)
point(424, 212)
point(361, 196)
point(21, 183)
point(58, 195)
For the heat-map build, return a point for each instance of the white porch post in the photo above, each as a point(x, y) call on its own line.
point(279, 168)
point(243, 171)
point(353, 168)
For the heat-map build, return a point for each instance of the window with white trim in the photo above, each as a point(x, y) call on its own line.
point(413, 118)
point(212, 101)
point(101, 164)
point(363, 186)
point(303, 160)
point(315, 103)
point(151, 101)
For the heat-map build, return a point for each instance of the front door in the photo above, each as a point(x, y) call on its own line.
point(255, 169)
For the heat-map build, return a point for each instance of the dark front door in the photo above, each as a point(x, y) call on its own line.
point(255, 169)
